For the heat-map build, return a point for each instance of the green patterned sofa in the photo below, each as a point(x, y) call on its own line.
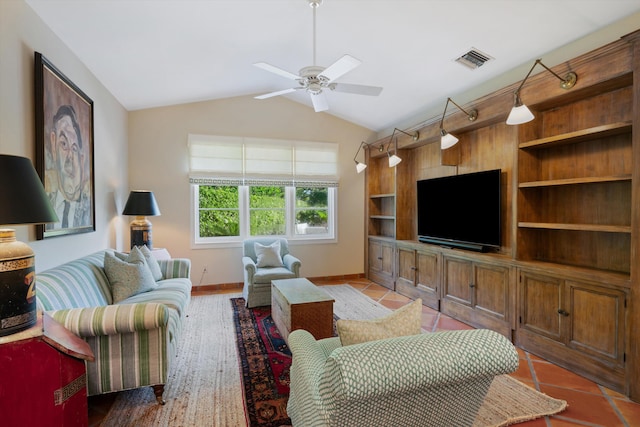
point(135, 341)
point(438, 379)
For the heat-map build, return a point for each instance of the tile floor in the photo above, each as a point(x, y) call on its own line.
point(590, 404)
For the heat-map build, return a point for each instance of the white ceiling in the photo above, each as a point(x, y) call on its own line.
point(150, 53)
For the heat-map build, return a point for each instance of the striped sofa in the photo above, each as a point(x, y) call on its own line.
point(135, 341)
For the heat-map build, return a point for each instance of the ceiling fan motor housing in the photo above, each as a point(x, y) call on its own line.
point(311, 80)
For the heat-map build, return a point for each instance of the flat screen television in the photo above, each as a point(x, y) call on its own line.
point(460, 211)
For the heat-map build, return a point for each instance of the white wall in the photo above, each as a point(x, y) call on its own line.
point(21, 34)
point(159, 162)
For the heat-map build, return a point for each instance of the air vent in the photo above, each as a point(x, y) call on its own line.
point(474, 58)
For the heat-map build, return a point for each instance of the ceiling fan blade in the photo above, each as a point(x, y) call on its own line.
point(339, 68)
point(276, 70)
point(357, 89)
point(319, 102)
point(271, 94)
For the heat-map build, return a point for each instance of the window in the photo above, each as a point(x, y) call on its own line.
point(267, 211)
point(218, 211)
point(230, 214)
point(270, 188)
point(312, 210)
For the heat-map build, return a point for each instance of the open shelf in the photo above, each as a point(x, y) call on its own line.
point(577, 227)
point(574, 181)
point(579, 136)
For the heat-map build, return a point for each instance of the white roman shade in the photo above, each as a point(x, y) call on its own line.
point(225, 160)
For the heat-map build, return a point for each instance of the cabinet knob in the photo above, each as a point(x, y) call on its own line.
point(414, 269)
point(563, 312)
point(471, 285)
point(380, 258)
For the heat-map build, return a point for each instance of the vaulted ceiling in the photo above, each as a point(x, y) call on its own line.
point(152, 53)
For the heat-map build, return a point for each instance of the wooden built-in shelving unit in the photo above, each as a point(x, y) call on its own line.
point(565, 283)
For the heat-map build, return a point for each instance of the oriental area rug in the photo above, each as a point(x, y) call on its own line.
point(207, 384)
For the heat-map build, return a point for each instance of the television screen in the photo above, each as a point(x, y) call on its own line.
point(461, 210)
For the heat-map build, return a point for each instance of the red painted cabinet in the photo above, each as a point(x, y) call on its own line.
point(42, 377)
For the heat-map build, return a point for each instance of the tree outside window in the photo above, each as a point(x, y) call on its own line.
point(219, 211)
point(267, 214)
point(312, 210)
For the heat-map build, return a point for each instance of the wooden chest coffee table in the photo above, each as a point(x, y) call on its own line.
point(299, 304)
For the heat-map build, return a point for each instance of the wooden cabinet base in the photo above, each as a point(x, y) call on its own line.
point(576, 361)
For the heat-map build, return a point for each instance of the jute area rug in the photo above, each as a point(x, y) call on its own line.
point(205, 387)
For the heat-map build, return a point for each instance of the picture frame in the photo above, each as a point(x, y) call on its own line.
point(64, 150)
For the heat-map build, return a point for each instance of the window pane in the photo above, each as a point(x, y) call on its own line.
point(267, 211)
point(312, 213)
point(219, 212)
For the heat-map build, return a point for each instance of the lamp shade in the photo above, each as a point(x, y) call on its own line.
point(22, 196)
point(519, 115)
point(394, 160)
point(360, 167)
point(447, 140)
point(141, 203)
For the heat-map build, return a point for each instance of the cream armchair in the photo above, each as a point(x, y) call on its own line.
point(258, 276)
point(437, 379)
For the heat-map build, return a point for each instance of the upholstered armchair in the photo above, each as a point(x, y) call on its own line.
point(263, 261)
point(435, 379)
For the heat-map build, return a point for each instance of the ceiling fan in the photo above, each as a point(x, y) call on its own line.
point(315, 79)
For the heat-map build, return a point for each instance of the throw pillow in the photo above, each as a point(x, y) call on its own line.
point(404, 321)
point(152, 262)
point(268, 256)
point(128, 278)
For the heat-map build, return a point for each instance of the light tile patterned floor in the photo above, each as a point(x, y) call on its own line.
point(590, 404)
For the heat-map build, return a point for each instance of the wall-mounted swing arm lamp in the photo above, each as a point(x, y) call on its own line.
point(360, 166)
point(394, 159)
point(446, 139)
point(520, 113)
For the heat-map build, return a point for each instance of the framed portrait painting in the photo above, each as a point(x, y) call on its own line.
point(64, 150)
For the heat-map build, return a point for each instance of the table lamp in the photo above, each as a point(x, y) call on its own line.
point(22, 201)
point(141, 203)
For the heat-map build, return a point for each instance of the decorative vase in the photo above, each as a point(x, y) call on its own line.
point(17, 284)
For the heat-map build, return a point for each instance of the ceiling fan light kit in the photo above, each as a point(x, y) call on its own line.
point(315, 79)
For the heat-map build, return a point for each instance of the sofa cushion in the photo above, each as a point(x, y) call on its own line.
point(406, 320)
point(266, 275)
point(174, 293)
point(129, 277)
point(268, 255)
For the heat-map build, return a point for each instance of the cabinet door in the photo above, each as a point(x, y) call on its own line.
point(427, 274)
point(458, 280)
point(375, 255)
point(406, 267)
point(540, 300)
point(596, 320)
point(491, 290)
point(387, 251)
point(381, 260)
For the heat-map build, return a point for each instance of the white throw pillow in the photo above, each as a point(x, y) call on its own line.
point(268, 256)
point(128, 278)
